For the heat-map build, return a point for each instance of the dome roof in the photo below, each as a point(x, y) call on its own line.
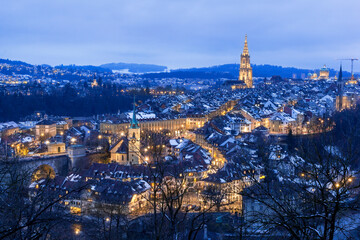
point(324, 68)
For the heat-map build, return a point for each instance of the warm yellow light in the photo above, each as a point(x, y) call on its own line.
point(107, 219)
point(75, 210)
point(337, 185)
point(99, 136)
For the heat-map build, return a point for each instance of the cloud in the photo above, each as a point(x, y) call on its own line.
point(176, 33)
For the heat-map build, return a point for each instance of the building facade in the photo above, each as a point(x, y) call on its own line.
point(324, 73)
point(45, 129)
point(175, 126)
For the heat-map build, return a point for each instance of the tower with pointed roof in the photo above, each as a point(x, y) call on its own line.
point(245, 73)
point(340, 88)
point(134, 139)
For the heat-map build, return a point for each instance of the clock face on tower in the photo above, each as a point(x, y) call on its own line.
point(133, 140)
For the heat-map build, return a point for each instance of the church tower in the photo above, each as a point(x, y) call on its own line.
point(245, 73)
point(134, 140)
point(340, 87)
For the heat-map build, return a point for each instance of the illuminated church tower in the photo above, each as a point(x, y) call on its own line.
point(245, 73)
point(134, 140)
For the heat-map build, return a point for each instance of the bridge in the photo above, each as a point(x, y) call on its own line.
point(40, 167)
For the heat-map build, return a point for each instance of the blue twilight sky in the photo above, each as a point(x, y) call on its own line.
point(180, 33)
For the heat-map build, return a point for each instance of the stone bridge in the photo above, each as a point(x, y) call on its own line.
point(54, 165)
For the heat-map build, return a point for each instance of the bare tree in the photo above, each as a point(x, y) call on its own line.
point(109, 221)
point(171, 216)
point(308, 195)
point(28, 213)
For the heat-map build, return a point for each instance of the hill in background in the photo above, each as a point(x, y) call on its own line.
point(134, 67)
point(83, 68)
point(258, 71)
point(224, 71)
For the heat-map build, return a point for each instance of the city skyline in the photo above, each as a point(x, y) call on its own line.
point(196, 119)
point(181, 34)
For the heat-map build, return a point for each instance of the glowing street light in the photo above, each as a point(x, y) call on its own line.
point(77, 229)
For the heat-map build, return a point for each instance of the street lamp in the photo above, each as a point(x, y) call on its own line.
point(77, 229)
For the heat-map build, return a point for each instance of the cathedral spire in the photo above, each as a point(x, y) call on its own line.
point(340, 85)
point(340, 74)
point(134, 122)
point(246, 49)
point(245, 73)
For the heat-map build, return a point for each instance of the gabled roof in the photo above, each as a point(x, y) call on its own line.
point(46, 122)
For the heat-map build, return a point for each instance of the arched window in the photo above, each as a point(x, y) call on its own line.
point(122, 157)
point(133, 135)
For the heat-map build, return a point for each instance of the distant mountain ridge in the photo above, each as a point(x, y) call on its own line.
point(12, 62)
point(265, 70)
point(225, 71)
point(83, 67)
point(134, 67)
